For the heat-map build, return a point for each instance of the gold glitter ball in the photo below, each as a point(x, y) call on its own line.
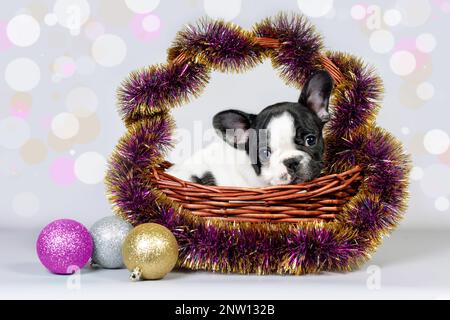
point(151, 249)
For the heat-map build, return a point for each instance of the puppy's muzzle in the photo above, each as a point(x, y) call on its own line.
point(293, 165)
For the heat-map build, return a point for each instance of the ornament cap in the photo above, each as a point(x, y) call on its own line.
point(136, 274)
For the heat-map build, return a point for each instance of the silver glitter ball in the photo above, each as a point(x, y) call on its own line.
point(108, 235)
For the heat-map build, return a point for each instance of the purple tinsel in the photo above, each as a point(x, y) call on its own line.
point(218, 45)
point(300, 45)
point(158, 88)
point(360, 102)
point(317, 249)
point(126, 179)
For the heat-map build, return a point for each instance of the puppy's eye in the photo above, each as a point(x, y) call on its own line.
point(264, 154)
point(310, 140)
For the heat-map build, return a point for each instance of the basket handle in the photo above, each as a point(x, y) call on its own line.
point(265, 42)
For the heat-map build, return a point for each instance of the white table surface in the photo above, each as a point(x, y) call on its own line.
point(412, 264)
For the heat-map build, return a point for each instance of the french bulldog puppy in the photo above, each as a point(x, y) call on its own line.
point(283, 144)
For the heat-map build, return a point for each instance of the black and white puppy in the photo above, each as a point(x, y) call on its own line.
point(283, 144)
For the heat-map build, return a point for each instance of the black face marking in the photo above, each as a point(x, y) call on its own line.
point(306, 123)
point(206, 179)
point(233, 126)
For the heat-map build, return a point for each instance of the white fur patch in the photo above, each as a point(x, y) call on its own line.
point(282, 132)
point(228, 165)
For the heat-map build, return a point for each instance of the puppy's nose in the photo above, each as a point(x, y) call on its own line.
point(292, 163)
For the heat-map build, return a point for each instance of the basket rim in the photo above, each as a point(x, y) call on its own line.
point(185, 183)
point(319, 199)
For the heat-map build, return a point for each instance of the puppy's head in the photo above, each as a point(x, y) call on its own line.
point(284, 141)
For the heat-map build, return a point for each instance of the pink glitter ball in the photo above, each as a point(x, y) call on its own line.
point(64, 246)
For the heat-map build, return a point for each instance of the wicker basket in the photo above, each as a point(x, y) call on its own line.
point(321, 198)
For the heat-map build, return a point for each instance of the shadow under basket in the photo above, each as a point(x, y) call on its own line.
point(319, 199)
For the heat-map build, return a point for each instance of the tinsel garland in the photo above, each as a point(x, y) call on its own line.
point(352, 137)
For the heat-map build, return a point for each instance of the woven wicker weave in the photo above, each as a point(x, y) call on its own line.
point(321, 198)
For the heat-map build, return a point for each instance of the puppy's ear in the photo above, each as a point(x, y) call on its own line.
point(233, 126)
point(316, 94)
